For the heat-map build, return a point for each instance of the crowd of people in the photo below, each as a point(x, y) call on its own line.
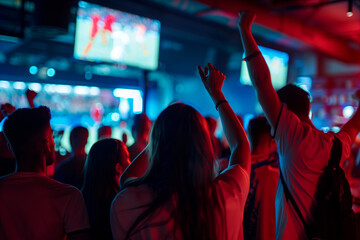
point(172, 183)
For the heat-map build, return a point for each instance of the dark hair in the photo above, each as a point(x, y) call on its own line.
point(256, 128)
point(79, 137)
point(181, 165)
point(23, 125)
point(296, 99)
point(104, 132)
point(100, 187)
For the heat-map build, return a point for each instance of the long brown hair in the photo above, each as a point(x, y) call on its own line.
point(100, 186)
point(182, 166)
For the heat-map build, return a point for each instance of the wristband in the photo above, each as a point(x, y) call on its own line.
point(219, 103)
point(251, 56)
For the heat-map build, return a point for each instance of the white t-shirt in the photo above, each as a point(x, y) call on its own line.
point(232, 186)
point(36, 207)
point(303, 152)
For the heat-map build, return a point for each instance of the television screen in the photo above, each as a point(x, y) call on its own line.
point(107, 35)
point(277, 62)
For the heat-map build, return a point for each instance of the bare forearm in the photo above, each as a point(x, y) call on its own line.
point(236, 136)
point(258, 70)
point(257, 67)
point(213, 81)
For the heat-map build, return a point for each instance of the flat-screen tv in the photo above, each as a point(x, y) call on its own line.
point(277, 62)
point(107, 35)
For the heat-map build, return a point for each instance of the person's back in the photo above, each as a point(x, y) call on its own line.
point(33, 206)
point(180, 196)
point(106, 161)
point(259, 213)
point(232, 187)
point(304, 151)
point(140, 131)
point(71, 170)
point(104, 132)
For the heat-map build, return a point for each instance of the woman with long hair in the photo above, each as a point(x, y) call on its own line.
point(180, 195)
point(105, 162)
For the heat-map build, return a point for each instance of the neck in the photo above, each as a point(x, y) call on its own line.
point(33, 169)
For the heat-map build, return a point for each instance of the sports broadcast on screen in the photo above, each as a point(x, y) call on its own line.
point(107, 35)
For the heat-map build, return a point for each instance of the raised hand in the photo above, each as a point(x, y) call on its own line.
point(30, 95)
point(246, 18)
point(213, 81)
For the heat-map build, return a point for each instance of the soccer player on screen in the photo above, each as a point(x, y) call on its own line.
point(94, 29)
point(108, 22)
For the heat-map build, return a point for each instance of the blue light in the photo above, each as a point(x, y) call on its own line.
point(50, 72)
point(33, 70)
point(115, 117)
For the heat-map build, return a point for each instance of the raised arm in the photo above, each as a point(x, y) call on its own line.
point(213, 81)
point(30, 95)
point(258, 69)
point(352, 127)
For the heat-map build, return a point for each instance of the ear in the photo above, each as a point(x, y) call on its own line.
point(118, 168)
point(49, 153)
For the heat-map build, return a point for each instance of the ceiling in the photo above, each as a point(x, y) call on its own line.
point(322, 25)
point(191, 31)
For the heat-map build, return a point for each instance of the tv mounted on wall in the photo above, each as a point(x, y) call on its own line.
point(107, 35)
point(277, 62)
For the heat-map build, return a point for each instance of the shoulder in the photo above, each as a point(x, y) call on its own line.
point(62, 190)
point(132, 197)
point(235, 178)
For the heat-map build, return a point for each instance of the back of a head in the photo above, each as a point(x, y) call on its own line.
point(23, 126)
point(100, 182)
point(102, 159)
point(180, 146)
point(78, 137)
point(141, 126)
point(257, 128)
point(296, 99)
point(104, 132)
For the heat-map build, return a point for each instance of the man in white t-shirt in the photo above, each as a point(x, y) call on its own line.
point(33, 206)
point(303, 150)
